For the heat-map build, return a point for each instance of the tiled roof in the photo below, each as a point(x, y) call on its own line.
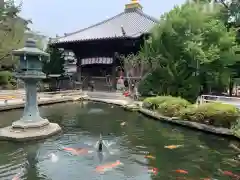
point(131, 23)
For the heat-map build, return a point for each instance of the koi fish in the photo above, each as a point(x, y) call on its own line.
point(77, 151)
point(16, 177)
point(153, 170)
point(173, 146)
point(149, 157)
point(106, 167)
point(231, 174)
point(181, 171)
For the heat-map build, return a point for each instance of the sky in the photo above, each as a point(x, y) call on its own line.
point(51, 17)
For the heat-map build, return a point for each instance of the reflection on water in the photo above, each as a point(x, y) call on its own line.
point(95, 110)
point(140, 145)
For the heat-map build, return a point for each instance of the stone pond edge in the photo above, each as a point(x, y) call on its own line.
point(193, 125)
point(40, 103)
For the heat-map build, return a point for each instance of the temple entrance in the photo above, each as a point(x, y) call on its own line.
point(97, 72)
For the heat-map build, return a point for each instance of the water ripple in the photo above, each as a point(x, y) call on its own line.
point(201, 154)
point(14, 164)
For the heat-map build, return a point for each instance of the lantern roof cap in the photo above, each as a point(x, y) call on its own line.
point(30, 48)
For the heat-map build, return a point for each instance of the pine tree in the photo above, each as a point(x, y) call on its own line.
point(55, 65)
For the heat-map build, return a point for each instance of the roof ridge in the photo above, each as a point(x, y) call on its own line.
point(91, 26)
point(147, 16)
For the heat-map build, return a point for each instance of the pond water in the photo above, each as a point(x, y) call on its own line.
point(130, 138)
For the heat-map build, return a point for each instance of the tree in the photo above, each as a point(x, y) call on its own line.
point(55, 65)
point(139, 65)
point(12, 29)
point(194, 51)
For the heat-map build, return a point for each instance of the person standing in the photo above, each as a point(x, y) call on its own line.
point(120, 84)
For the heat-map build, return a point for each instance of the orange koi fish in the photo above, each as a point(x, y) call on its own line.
point(173, 146)
point(76, 151)
point(181, 171)
point(108, 166)
point(231, 174)
point(149, 157)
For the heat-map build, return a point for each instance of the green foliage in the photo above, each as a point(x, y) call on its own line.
point(154, 102)
point(12, 29)
point(172, 107)
point(236, 128)
point(7, 81)
point(217, 114)
point(192, 51)
point(56, 63)
point(4, 77)
point(166, 105)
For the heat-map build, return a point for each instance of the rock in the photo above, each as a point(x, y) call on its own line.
point(131, 107)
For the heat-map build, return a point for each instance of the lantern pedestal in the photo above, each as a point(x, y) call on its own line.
point(32, 131)
point(31, 126)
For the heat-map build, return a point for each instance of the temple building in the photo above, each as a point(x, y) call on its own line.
point(98, 48)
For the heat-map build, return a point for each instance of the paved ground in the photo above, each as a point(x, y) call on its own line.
point(104, 95)
point(14, 97)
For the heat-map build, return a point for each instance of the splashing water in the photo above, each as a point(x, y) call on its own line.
point(107, 146)
point(53, 157)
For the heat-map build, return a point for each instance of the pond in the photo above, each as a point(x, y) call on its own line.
point(139, 143)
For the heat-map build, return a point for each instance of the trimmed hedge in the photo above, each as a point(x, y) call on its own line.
point(216, 114)
point(154, 102)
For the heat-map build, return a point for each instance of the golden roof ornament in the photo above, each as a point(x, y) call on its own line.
point(134, 4)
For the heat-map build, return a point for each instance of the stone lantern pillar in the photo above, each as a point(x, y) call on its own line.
point(31, 125)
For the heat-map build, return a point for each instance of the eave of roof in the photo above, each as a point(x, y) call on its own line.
point(128, 24)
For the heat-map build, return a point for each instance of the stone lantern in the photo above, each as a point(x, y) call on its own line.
point(31, 125)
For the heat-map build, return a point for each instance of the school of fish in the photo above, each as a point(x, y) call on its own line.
point(110, 166)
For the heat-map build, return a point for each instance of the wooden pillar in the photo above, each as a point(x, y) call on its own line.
point(79, 84)
point(79, 69)
point(114, 80)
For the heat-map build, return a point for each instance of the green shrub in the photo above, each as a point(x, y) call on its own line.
point(7, 81)
point(5, 77)
point(166, 105)
point(154, 102)
point(217, 114)
point(173, 106)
